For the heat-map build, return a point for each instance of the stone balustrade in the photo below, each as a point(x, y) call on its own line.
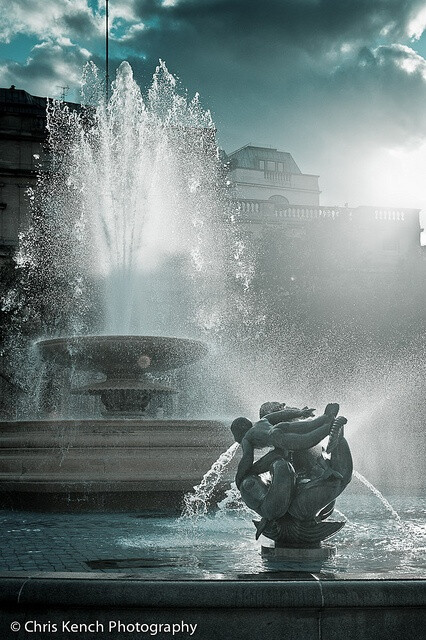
point(267, 210)
point(278, 176)
point(389, 214)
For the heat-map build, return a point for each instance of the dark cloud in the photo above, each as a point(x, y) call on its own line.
point(308, 24)
point(79, 25)
point(389, 85)
point(274, 67)
point(328, 80)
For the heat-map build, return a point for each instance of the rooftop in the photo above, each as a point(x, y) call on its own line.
point(248, 157)
point(20, 101)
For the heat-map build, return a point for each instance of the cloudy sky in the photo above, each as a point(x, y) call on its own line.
point(341, 84)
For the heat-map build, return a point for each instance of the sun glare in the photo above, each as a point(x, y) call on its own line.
point(397, 179)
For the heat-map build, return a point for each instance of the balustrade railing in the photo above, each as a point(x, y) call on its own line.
point(311, 213)
point(278, 176)
point(249, 206)
point(271, 210)
point(389, 214)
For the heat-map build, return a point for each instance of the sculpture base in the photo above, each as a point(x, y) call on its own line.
point(299, 554)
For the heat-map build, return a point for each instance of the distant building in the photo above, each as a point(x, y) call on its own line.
point(272, 178)
point(22, 135)
point(341, 298)
point(366, 259)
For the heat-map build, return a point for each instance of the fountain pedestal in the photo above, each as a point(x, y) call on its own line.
point(301, 555)
point(130, 398)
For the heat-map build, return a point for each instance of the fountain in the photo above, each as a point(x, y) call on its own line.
point(123, 278)
point(118, 268)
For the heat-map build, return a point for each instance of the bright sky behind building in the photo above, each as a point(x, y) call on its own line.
point(341, 84)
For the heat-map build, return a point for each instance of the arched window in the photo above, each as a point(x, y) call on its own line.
point(281, 204)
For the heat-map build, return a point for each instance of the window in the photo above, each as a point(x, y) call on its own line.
point(262, 165)
point(270, 166)
point(281, 205)
point(280, 167)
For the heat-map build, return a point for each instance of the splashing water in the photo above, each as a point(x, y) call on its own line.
point(380, 496)
point(125, 225)
point(232, 501)
point(132, 229)
point(233, 505)
point(341, 514)
point(411, 533)
point(196, 504)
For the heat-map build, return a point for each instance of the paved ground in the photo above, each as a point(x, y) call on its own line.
point(55, 542)
point(152, 548)
point(33, 546)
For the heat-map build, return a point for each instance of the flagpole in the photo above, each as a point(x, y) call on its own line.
point(106, 50)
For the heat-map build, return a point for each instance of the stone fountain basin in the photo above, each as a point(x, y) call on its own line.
point(97, 465)
point(129, 460)
point(121, 354)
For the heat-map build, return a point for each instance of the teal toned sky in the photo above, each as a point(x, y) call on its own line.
point(341, 84)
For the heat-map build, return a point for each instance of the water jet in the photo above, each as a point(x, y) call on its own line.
point(119, 271)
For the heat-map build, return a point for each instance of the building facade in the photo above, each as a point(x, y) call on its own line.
point(270, 177)
point(367, 259)
point(22, 134)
